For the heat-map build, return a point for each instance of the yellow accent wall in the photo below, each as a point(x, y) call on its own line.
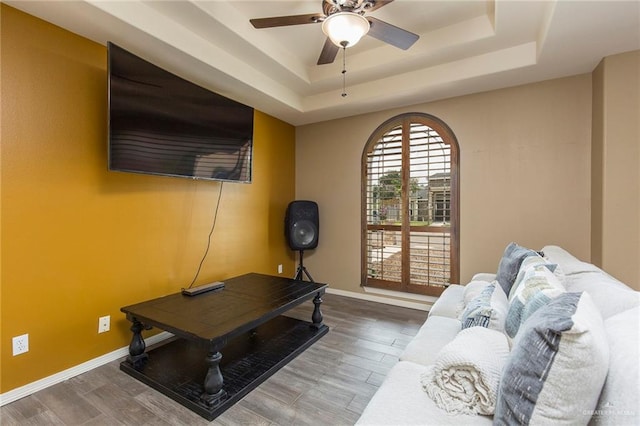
point(79, 242)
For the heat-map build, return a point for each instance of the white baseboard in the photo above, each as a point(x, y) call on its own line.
point(28, 389)
point(422, 306)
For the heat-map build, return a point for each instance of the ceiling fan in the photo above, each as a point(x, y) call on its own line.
point(347, 15)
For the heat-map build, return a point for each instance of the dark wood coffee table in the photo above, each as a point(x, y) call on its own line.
point(243, 321)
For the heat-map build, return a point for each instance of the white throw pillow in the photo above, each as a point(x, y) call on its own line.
point(528, 267)
point(538, 286)
point(557, 365)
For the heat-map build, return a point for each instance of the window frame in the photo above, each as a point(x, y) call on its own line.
point(449, 138)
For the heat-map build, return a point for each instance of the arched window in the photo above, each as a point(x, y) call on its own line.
point(410, 206)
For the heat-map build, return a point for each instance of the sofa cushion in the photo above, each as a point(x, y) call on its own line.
point(537, 287)
point(450, 302)
point(484, 276)
point(436, 332)
point(401, 401)
point(510, 264)
point(487, 309)
point(619, 402)
point(610, 295)
point(557, 365)
point(568, 263)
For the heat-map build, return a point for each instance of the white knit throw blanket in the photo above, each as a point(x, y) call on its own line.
point(464, 378)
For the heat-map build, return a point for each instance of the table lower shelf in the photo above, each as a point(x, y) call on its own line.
point(178, 368)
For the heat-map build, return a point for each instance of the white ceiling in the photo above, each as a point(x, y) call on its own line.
point(464, 47)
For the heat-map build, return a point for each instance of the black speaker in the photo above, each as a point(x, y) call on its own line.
point(302, 225)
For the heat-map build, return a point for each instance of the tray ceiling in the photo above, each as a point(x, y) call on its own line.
point(464, 47)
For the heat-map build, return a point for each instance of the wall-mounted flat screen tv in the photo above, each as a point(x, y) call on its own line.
point(162, 124)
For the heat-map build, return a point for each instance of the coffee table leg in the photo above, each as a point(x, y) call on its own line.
point(137, 356)
point(213, 393)
point(316, 317)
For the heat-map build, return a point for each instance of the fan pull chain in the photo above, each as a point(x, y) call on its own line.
point(344, 70)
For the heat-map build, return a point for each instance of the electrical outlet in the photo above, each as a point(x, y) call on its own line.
point(280, 268)
point(20, 344)
point(104, 324)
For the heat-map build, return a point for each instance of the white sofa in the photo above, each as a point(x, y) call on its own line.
point(401, 399)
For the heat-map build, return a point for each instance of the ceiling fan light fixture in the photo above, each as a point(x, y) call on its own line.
point(345, 29)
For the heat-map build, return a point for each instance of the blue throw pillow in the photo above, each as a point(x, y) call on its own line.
point(510, 265)
point(488, 309)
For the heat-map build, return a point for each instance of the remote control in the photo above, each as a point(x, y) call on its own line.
point(193, 291)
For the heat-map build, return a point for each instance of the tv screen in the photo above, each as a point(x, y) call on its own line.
point(162, 124)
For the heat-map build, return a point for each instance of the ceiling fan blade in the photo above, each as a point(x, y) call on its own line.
point(329, 52)
point(283, 21)
point(378, 4)
point(391, 34)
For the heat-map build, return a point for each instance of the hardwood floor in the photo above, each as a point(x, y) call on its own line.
point(328, 384)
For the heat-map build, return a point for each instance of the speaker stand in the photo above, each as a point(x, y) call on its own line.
point(302, 270)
